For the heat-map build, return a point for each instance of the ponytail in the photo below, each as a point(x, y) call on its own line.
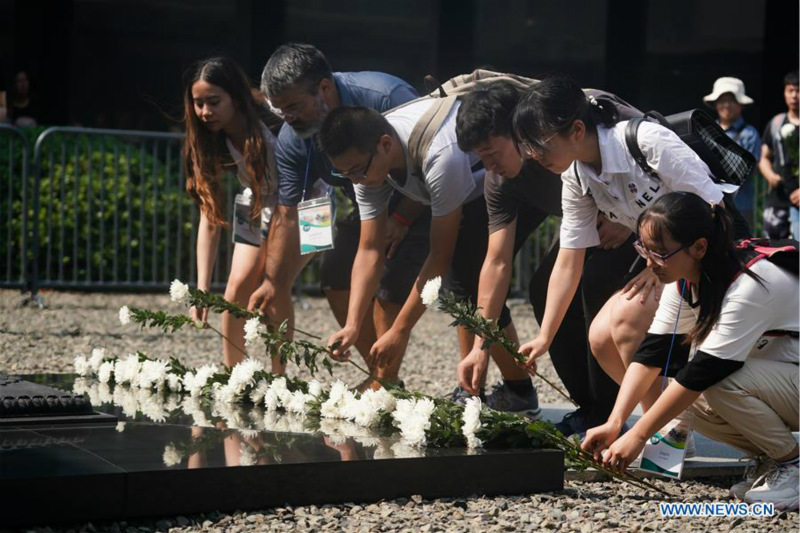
point(601, 112)
point(553, 105)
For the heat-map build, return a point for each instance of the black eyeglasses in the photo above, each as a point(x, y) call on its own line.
point(660, 260)
point(355, 175)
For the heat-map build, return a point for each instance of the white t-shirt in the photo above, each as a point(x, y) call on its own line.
point(271, 179)
point(449, 181)
point(269, 193)
point(623, 190)
point(748, 311)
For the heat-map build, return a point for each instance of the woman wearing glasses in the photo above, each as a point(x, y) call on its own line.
point(579, 138)
point(737, 310)
point(225, 132)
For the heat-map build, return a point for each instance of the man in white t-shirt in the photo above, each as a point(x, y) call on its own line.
point(372, 151)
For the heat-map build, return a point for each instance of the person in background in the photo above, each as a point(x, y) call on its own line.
point(728, 98)
point(23, 110)
point(778, 165)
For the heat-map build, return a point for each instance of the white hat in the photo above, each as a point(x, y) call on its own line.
point(734, 86)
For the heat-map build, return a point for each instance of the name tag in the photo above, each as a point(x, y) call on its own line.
point(315, 219)
point(244, 229)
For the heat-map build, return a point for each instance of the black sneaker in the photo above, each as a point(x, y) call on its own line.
point(503, 398)
point(460, 396)
point(573, 423)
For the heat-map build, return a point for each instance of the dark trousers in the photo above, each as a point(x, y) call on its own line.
point(604, 273)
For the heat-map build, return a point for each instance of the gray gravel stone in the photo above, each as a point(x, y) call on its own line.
point(33, 340)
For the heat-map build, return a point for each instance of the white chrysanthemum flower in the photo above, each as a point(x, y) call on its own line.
point(104, 394)
point(259, 391)
point(105, 371)
point(124, 315)
point(96, 359)
point(315, 388)
point(339, 396)
point(120, 427)
point(272, 401)
point(243, 375)
point(225, 394)
point(413, 418)
point(151, 405)
point(403, 450)
point(193, 382)
point(253, 329)
point(383, 450)
point(127, 370)
point(297, 402)
point(246, 455)
point(172, 456)
point(472, 422)
point(174, 382)
point(787, 130)
point(126, 399)
point(172, 402)
point(192, 406)
point(81, 366)
point(153, 374)
point(430, 292)
point(179, 292)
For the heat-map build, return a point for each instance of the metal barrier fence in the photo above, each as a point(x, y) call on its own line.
point(14, 182)
point(107, 210)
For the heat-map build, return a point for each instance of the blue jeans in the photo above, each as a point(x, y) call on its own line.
point(794, 221)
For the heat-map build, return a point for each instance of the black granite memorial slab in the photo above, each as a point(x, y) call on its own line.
point(25, 403)
point(142, 468)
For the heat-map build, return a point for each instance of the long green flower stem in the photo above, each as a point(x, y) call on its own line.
point(625, 476)
point(468, 316)
point(204, 299)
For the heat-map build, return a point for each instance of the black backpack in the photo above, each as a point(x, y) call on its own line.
point(729, 163)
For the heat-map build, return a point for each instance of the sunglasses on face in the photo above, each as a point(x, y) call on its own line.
point(659, 259)
point(355, 174)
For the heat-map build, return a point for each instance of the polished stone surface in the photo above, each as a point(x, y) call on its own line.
point(175, 456)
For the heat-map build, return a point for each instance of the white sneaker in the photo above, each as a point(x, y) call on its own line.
point(761, 465)
point(779, 486)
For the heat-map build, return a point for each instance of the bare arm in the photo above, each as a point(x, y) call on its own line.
point(283, 259)
point(367, 270)
point(561, 289)
point(443, 236)
point(207, 244)
point(765, 167)
point(496, 272)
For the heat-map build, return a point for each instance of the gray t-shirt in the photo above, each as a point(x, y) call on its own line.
point(448, 177)
point(535, 188)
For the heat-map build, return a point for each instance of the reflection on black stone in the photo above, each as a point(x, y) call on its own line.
point(160, 431)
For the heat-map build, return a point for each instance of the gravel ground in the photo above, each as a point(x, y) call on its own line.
point(33, 340)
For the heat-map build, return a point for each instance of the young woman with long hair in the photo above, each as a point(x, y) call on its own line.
point(226, 132)
point(734, 308)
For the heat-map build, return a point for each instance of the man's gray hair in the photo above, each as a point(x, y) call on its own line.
point(294, 64)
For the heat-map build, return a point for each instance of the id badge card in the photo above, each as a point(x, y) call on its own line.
point(315, 219)
point(244, 230)
point(664, 454)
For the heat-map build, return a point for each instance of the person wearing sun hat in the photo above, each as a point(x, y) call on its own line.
point(728, 99)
